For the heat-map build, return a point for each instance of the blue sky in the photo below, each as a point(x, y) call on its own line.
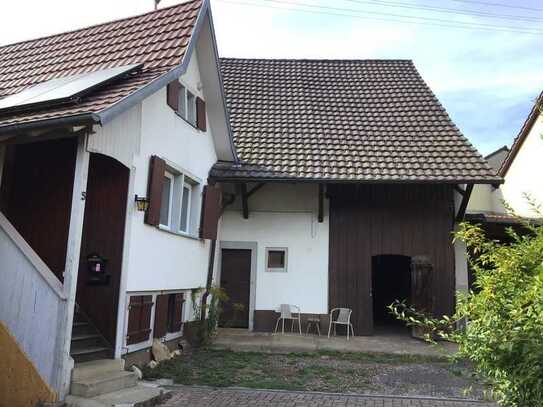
point(487, 80)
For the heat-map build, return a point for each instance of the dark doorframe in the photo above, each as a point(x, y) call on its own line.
point(103, 234)
point(236, 281)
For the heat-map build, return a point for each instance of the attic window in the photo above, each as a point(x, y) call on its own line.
point(187, 105)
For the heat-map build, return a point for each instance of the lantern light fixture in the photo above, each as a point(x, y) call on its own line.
point(142, 203)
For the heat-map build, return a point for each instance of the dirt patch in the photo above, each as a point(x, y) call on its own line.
point(323, 371)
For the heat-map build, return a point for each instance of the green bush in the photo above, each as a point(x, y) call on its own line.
point(502, 319)
point(200, 331)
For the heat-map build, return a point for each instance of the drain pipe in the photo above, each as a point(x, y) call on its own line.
point(209, 277)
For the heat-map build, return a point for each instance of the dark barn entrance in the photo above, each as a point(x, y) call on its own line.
point(369, 220)
point(391, 281)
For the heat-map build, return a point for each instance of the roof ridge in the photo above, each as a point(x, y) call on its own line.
point(100, 24)
point(319, 59)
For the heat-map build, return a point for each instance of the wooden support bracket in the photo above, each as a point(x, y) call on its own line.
point(464, 203)
point(321, 203)
point(244, 201)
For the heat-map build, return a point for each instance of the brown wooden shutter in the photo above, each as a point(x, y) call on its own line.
point(211, 211)
point(201, 114)
point(157, 167)
point(161, 316)
point(176, 312)
point(139, 319)
point(172, 94)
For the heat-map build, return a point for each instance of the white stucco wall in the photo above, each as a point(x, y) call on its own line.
point(525, 173)
point(159, 260)
point(285, 215)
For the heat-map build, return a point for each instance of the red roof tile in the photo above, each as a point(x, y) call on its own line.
point(342, 120)
point(158, 39)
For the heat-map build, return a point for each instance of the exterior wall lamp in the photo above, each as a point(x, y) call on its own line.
point(142, 203)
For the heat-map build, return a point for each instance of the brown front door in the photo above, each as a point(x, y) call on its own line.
point(236, 281)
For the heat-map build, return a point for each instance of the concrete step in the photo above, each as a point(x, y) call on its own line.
point(103, 383)
point(138, 395)
point(85, 354)
point(87, 340)
point(96, 368)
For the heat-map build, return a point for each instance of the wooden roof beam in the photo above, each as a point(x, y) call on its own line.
point(464, 203)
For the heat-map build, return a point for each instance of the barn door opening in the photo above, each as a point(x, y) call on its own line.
point(391, 280)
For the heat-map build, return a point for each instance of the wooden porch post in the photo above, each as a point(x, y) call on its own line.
point(72, 262)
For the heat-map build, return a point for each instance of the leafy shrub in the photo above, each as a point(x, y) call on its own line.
point(502, 319)
point(200, 331)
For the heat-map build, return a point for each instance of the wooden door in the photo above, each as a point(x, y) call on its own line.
point(103, 234)
point(236, 281)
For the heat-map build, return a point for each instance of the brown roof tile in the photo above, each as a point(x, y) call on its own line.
point(157, 39)
point(342, 120)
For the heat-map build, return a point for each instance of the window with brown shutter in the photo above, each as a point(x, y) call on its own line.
point(161, 315)
point(139, 319)
point(201, 114)
point(175, 312)
point(172, 94)
point(211, 211)
point(157, 167)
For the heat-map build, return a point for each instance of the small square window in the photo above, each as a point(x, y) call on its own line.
point(276, 259)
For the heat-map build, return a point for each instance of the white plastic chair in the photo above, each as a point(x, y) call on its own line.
point(286, 311)
point(343, 318)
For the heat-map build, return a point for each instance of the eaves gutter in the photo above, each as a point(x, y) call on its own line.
point(491, 181)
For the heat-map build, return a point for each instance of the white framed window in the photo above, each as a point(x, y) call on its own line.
point(167, 200)
point(186, 199)
point(276, 259)
point(181, 201)
point(191, 108)
point(182, 101)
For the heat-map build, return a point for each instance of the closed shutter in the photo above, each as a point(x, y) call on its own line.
point(139, 319)
point(211, 211)
point(157, 167)
point(201, 114)
point(161, 316)
point(176, 312)
point(172, 94)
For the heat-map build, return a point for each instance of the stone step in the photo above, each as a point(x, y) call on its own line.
point(103, 383)
point(139, 395)
point(96, 368)
point(85, 354)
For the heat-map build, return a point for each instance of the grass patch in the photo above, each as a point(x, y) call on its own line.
point(323, 371)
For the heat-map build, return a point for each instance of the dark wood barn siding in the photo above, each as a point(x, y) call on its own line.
point(103, 233)
point(368, 220)
point(36, 196)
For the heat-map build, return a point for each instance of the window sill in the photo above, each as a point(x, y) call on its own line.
point(186, 121)
point(181, 234)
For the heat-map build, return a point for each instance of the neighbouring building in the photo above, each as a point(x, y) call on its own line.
point(131, 175)
point(520, 167)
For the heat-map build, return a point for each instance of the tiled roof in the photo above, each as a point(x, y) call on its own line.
point(342, 120)
point(157, 39)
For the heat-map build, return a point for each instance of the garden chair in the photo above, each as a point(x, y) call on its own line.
point(343, 318)
point(286, 311)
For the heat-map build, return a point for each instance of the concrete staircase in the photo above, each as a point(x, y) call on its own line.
point(105, 383)
point(87, 343)
point(90, 379)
